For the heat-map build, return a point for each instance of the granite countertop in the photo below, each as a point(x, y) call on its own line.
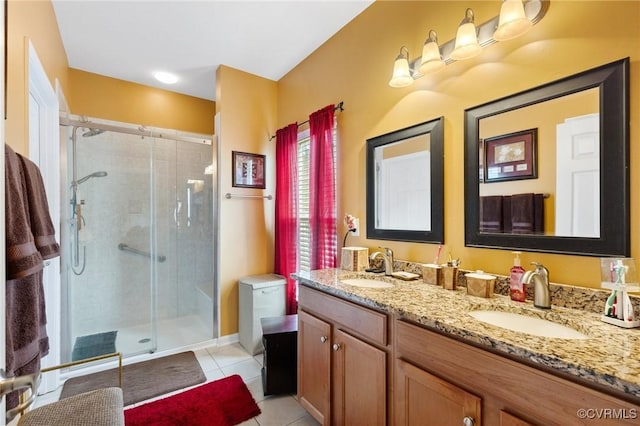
point(609, 357)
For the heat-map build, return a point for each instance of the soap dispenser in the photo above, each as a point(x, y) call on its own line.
point(516, 286)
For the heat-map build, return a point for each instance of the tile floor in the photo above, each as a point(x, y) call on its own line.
point(221, 361)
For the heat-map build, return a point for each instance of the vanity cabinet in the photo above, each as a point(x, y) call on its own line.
point(467, 381)
point(427, 399)
point(507, 419)
point(343, 356)
point(314, 366)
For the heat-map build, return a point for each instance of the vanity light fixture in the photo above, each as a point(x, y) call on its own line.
point(513, 21)
point(467, 45)
point(401, 74)
point(431, 58)
point(516, 17)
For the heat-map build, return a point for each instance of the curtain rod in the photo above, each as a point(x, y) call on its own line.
point(340, 107)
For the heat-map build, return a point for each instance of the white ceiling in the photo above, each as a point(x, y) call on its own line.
point(130, 40)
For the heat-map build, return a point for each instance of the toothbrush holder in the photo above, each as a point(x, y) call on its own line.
point(449, 277)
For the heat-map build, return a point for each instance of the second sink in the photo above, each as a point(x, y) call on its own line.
point(527, 324)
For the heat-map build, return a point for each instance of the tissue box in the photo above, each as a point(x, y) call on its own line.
point(480, 284)
point(432, 274)
point(354, 258)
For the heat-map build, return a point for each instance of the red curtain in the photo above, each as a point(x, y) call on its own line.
point(322, 205)
point(286, 209)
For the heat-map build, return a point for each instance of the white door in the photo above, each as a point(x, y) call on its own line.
point(405, 192)
point(44, 150)
point(578, 177)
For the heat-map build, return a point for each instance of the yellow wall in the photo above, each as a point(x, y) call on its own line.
point(108, 98)
point(36, 21)
point(247, 108)
point(355, 67)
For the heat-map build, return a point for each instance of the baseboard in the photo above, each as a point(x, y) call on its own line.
point(228, 339)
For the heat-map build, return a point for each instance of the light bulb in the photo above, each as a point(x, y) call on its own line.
point(401, 74)
point(466, 39)
point(513, 22)
point(431, 58)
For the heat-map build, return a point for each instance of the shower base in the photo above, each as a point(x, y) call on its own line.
point(172, 333)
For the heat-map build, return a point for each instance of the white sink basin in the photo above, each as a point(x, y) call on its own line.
point(368, 283)
point(527, 324)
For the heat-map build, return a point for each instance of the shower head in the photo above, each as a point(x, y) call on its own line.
point(92, 175)
point(92, 132)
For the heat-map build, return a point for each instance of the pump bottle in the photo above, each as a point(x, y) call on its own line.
point(517, 289)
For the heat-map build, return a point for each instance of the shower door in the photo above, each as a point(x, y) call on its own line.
point(143, 280)
point(184, 235)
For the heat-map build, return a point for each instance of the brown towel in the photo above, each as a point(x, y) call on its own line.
point(522, 214)
point(40, 219)
point(26, 322)
point(30, 236)
point(506, 214)
point(23, 258)
point(491, 213)
point(538, 213)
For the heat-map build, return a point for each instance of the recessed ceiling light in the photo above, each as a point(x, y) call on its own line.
point(165, 77)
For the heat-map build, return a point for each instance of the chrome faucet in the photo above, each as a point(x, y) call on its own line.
point(387, 257)
point(540, 278)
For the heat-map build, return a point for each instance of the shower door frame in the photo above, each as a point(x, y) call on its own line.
point(177, 136)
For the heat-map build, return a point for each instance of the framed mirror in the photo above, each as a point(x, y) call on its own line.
point(547, 169)
point(405, 188)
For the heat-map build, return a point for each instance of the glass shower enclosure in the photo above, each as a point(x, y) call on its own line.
point(140, 242)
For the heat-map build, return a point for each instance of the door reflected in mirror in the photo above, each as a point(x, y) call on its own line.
point(405, 184)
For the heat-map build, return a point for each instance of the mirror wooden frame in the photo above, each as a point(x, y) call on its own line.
point(436, 235)
point(613, 81)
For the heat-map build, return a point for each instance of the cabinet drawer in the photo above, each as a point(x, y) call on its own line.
point(359, 320)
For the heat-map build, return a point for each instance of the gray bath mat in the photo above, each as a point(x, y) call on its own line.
point(94, 345)
point(142, 380)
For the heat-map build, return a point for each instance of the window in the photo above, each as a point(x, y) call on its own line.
point(304, 230)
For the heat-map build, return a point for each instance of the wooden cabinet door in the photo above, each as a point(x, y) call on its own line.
point(507, 419)
point(359, 382)
point(314, 374)
point(424, 399)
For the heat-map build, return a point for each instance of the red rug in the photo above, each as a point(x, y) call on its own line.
point(224, 402)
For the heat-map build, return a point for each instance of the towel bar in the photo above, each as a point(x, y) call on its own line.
point(10, 384)
point(230, 195)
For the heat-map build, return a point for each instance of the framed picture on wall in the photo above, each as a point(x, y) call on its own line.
point(248, 170)
point(511, 157)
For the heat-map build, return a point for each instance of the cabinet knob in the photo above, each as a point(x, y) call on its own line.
point(468, 421)
point(323, 339)
point(336, 346)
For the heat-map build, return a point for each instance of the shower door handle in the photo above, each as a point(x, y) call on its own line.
point(176, 213)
